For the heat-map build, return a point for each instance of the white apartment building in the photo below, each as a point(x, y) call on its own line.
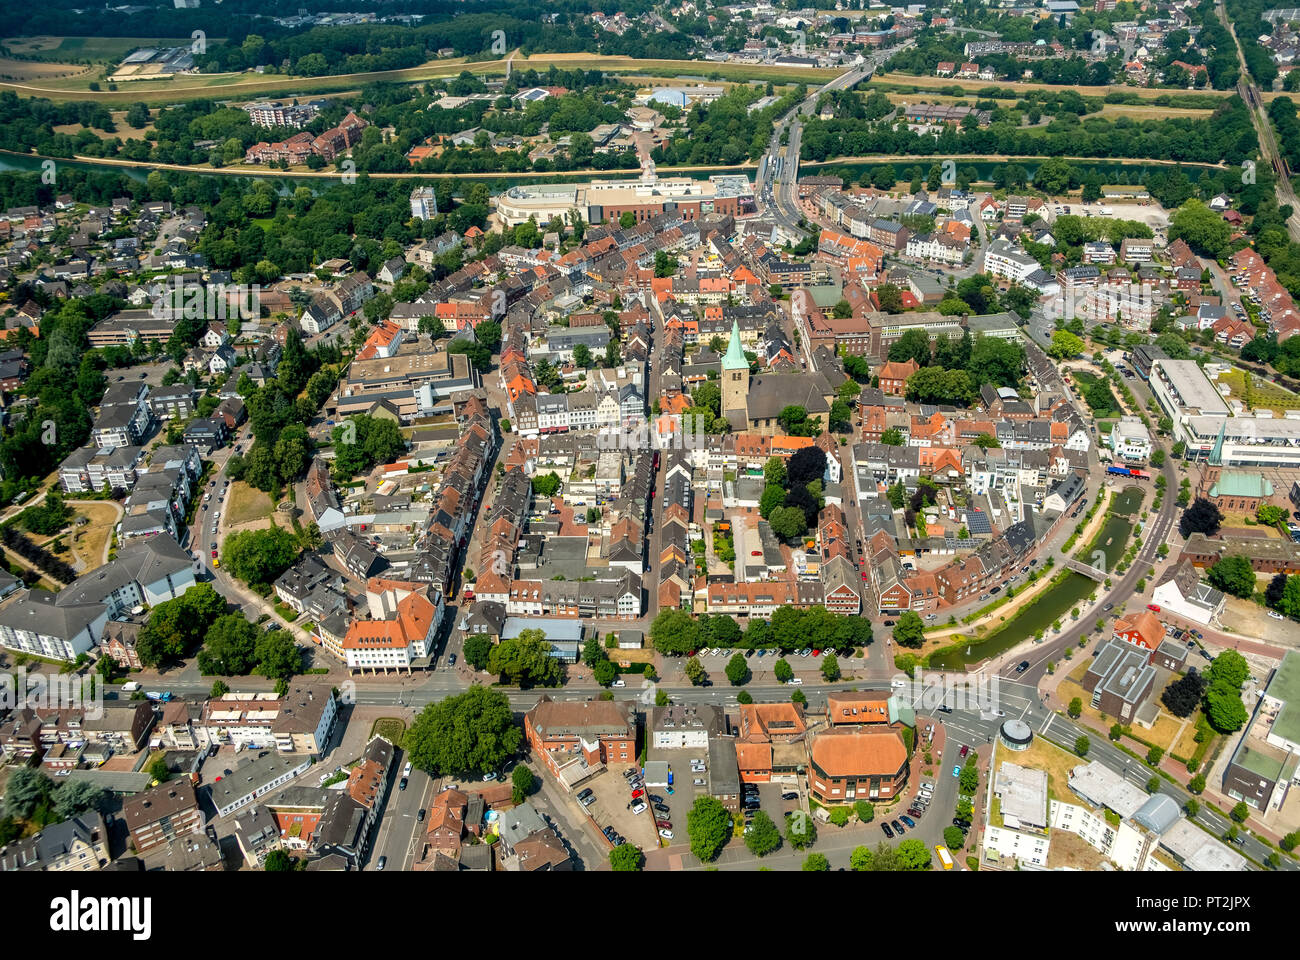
point(1008, 262)
point(1130, 440)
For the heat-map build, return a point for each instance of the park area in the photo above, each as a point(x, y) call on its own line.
point(246, 504)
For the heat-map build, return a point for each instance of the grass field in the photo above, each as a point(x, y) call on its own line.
point(124, 130)
point(88, 541)
point(1146, 93)
point(107, 49)
point(246, 504)
point(251, 85)
point(1109, 111)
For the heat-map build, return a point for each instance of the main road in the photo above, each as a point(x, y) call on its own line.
point(778, 188)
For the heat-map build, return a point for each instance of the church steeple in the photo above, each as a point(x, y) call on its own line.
point(734, 359)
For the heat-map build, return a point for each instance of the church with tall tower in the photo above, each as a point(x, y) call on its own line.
point(735, 382)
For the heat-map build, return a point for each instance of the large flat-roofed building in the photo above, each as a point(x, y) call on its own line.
point(1243, 441)
point(1183, 391)
point(610, 199)
point(126, 326)
point(413, 380)
point(1267, 758)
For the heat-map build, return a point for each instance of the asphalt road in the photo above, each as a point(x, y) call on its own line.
point(398, 826)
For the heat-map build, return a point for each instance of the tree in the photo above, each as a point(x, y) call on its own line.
point(738, 670)
point(1183, 696)
point(1193, 807)
point(1201, 517)
point(865, 811)
point(547, 485)
point(913, 854)
point(160, 771)
point(830, 668)
point(1153, 755)
point(1081, 745)
point(279, 861)
point(228, 650)
point(626, 858)
point(1197, 783)
point(526, 660)
point(706, 825)
point(674, 632)
point(1065, 345)
point(783, 671)
point(1204, 230)
point(860, 859)
point(1229, 668)
point(477, 649)
point(1270, 515)
point(969, 781)
point(694, 671)
point(910, 630)
point(521, 782)
point(258, 557)
point(1076, 707)
point(801, 830)
point(1240, 812)
point(1233, 574)
point(816, 863)
point(953, 838)
point(605, 673)
point(175, 627)
point(277, 655)
point(788, 523)
point(1290, 841)
point(1224, 709)
point(893, 437)
point(592, 651)
point(474, 732)
point(840, 816)
point(26, 790)
point(763, 836)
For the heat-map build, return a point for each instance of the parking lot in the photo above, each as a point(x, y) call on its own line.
point(611, 808)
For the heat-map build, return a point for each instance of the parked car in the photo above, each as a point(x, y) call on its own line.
point(383, 862)
point(419, 817)
point(699, 781)
point(638, 808)
point(965, 749)
point(888, 833)
point(662, 808)
point(666, 834)
point(451, 660)
point(654, 798)
point(637, 794)
point(402, 784)
point(664, 824)
point(898, 827)
point(790, 795)
point(908, 820)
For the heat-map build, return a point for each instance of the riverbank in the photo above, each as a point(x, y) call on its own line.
point(1067, 592)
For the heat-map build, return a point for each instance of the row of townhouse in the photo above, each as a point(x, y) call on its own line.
point(459, 491)
point(616, 598)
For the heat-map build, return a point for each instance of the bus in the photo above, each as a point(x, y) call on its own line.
point(944, 856)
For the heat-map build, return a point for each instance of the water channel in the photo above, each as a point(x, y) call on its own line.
point(1057, 601)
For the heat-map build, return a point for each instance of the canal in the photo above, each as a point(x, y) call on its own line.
point(1057, 602)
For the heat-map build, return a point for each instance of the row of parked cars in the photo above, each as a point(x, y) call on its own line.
point(719, 652)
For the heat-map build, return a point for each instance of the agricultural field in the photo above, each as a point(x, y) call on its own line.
point(253, 85)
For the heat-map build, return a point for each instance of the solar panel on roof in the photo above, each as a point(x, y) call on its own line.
point(978, 522)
